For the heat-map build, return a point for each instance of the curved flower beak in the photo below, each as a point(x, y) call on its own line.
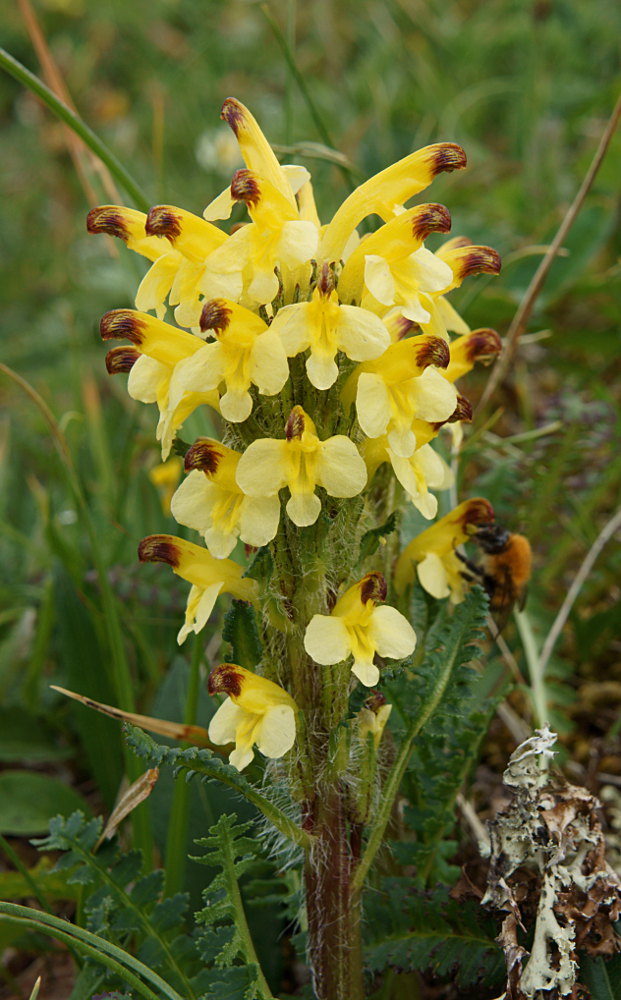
point(432, 557)
point(208, 576)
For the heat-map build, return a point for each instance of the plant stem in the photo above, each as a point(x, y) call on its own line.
point(333, 906)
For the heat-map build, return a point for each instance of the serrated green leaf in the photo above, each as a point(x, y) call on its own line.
point(370, 541)
point(240, 629)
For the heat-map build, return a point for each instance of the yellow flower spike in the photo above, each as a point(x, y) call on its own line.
point(189, 234)
point(359, 628)
point(211, 502)
point(422, 471)
point(386, 192)
point(246, 352)
point(208, 576)
point(302, 462)
point(255, 149)
point(256, 712)
point(327, 327)
point(372, 718)
point(162, 347)
point(481, 346)
point(401, 386)
point(431, 556)
point(129, 225)
point(395, 241)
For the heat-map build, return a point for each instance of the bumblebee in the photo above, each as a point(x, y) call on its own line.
point(504, 569)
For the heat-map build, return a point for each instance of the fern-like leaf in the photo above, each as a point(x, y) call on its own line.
point(431, 932)
point(121, 902)
point(228, 942)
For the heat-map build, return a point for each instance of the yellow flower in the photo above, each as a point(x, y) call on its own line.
point(129, 225)
point(257, 711)
point(302, 462)
point(210, 501)
point(463, 260)
point(358, 627)
point(481, 346)
point(193, 239)
point(245, 353)
point(402, 385)
point(208, 576)
point(431, 556)
point(372, 717)
point(276, 240)
point(327, 327)
point(424, 469)
point(162, 347)
point(388, 248)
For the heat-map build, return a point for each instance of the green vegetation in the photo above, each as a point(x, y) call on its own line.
point(345, 89)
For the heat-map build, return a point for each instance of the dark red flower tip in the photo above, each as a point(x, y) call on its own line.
point(373, 588)
point(159, 548)
point(463, 411)
point(375, 702)
point(326, 282)
point(204, 455)
point(434, 351)
point(107, 219)
point(226, 679)
point(162, 220)
point(232, 113)
point(121, 359)
point(478, 260)
point(430, 219)
point(483, 345)
point(294, 428)
point(447, 156)
point(216, 315)
point(122, 324)
point(477, 511)
point(245, 187)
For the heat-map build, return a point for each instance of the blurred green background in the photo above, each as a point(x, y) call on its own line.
point(526, 88)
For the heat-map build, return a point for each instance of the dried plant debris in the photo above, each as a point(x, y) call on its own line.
point(548, 872)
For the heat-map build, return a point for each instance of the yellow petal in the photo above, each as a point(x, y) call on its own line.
point(432, 576)
point(224, 723)
point(303, 509)
point(275, 734)
point(340, 468)
point(327, 640)
point(392, 633)
point(261, 470)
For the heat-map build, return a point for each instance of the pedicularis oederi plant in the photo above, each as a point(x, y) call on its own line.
point(331, 363)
